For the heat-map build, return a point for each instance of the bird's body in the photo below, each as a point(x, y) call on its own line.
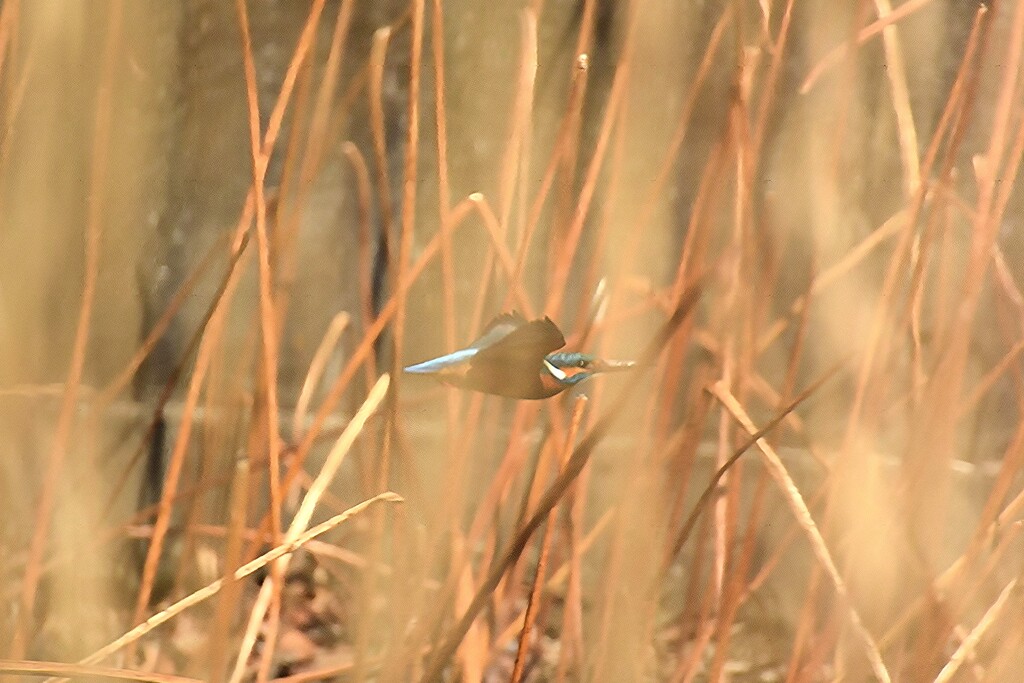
point(516, 358)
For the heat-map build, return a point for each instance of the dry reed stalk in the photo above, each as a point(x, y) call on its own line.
point(533, 605)
point(712, 486)
point(524, 181)
point(803, 638)
point(1012, 464)
point(375, 94)
point(562, 147)
point(732, 598)
point(952, 122)
point(85, 671)
point(777, 50)
point(1005, 529)
point(16, 98)
point(680, 455)
point(700, 600)
point(954, 598)
point(733, 311)
point(238, 248)
point(115, 386)
point(570, 242)
point(232, 560)
point(267, 317)
point(688, 667)
point(497, 236)
point(967, 648)
point(444, 201)
point(593, 298)
point(513, 163)
point(737, 589)
point(214, 442)
point(511, 157)
point(827, 642)
point(289, 222)
point(611, 580)
point(988, 380)
point(928, 458)
point(402, 285)
point(1006, 280)
point(283, 227)
point(694, 251)
point(753, 524)
point(451, 509)
point(810, 529)
point(563, 575)
point(511, 588)
point(512, 461)
point(723, 506)
point(572, 649)
point(844, 103)
point(8, 16)
point(209, 339)
point(1006, 664)
point(741, 319)
point(1011, 169)
point(364, 199)
point(409, 182)
point(245, 570)
point(472, 652)
point(364, 348)
point(317, 366)
point(946, 268)
point(565, 159)
point(14, 92)
point(784, 546)
point(317, 137)
point(303, 516)
point(863, 36)
point(360, 80)
point(96, 204)
point(896, 71)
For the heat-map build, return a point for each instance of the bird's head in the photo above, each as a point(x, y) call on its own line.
point(567, 369)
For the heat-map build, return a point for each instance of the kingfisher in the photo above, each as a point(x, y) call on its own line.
point(517, 358)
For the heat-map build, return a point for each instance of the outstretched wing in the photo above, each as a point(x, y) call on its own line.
point(528, 342)
point(499, 328)
point(512, 365)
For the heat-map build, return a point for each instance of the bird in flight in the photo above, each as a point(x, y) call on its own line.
point(517, 358)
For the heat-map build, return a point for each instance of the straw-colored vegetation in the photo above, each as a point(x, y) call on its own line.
point(225, 227)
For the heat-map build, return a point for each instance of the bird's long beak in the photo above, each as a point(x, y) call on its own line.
point(442, 363)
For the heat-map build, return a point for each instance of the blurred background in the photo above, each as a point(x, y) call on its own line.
point(222, 221)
